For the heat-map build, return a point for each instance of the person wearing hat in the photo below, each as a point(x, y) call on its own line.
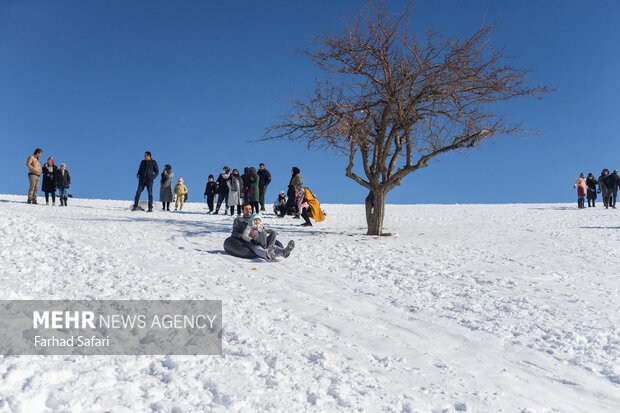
point(279, 206)
point(49, 185)
point(180, 190)
point(210, 191)
point(258, 235)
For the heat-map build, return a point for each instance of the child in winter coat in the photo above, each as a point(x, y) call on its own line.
point(279, 207)
point(580, 184)
point(256, 233)
point(180, 190)
point(210, 191)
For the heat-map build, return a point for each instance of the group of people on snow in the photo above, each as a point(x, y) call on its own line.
point(233, 189)
point(53, 178)
point(608, 184)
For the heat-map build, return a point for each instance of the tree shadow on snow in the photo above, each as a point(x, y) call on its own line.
point(188, 228)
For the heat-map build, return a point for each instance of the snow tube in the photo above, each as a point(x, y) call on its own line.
point(239, 248)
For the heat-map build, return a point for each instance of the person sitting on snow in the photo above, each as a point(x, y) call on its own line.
point(279, 207)
point(239, 229)
point(180, 190)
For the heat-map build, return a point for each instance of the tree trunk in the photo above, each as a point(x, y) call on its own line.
point(375, 210)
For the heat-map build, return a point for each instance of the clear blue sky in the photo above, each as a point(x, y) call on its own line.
point(96, 83)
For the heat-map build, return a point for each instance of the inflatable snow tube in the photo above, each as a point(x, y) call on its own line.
point(241, 249)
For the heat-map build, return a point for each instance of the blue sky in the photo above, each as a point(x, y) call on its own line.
point(97, 83)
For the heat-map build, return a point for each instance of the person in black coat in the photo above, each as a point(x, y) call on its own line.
point(147, 173)
point(612, 181)
point(602, 186)
point(291, 206)
point(265, 180)
point(49, 185)
point(210, 191)
point(222, 190)
point(591, 183)
point(62, 180)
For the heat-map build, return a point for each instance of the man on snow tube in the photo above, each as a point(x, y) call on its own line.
point(236, 246)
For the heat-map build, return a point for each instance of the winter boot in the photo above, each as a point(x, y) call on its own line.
point(288, 249)
point(270, 254)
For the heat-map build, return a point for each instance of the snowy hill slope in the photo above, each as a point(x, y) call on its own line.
point(510, 308)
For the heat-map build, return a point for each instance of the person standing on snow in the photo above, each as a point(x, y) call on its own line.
point(253, 190)
point(180, 190)
point(49, 184)
point(602, 186)
point(222, 190)
point(591, 183)
point(62, 180)
point(612, 182)
point(580, 184)
point(147, 173)
point(34, 172)
point(165, 188)
point(235, 186)
point(291, 206)
point(265, 180)
point(210, 191)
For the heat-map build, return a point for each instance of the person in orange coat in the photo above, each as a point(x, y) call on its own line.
point(308, 205)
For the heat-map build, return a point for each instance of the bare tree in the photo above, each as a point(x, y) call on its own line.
point(395, 102)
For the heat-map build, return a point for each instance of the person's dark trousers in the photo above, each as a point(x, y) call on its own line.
point(149, 190)
point(165, 206)
point(304, 215)
point(221, 198)
point(291, 206)
point(47, 199)
point(255, 207)
point(580, 202)
point(210, 201)
point(232, 210)
point(612, 198)
point(280, 210)
point(261, 196)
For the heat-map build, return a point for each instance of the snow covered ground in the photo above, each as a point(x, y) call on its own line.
point(478, 308)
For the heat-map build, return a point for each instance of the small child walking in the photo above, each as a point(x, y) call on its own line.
point(210, 192)
point(180, 190)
